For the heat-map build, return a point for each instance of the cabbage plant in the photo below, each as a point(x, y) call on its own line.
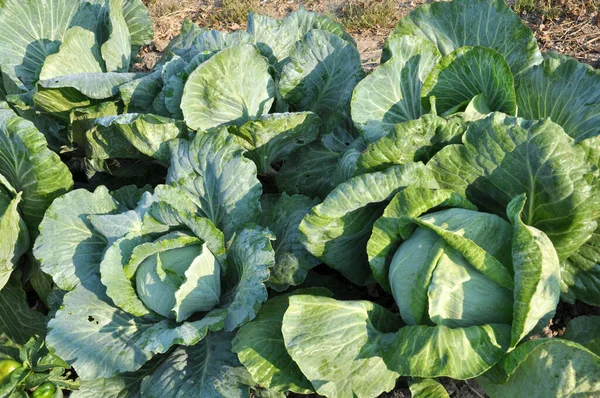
point(469, 287)
point(160, 275)
point(145, 272)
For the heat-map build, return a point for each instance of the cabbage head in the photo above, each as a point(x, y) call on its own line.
point(144, 272)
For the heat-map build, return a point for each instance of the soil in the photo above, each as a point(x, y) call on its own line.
point(570, 27)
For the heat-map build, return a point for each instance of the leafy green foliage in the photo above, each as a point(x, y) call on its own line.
point(255, 217)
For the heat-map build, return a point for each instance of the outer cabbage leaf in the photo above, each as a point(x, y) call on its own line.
point(467, 73)
point(124, 385)
point(451, 25)
point(585, 330)
point(30, 167)
point(116, 48)
point(17, 320)
point(564, 90)
point(69, 248)
point(537, 275)
point(321, 75)
point(466, 352)
point(335, 344)
point(410, 141)
point(15, 241)
point(276, 38)
point(542, 368)
point(128, 341)
point(32, 31)
point(392, 92)
point(503, 157)
point(309, 169)
point(148, 134)
point(282, 215)
point(79, 52)
point(273, 137)
point(138, 95)
point(248, 261)
point(337, 230)
point(205, 45)
point(58, 96)
point(216, 93)
point(85, 319)
point(261, 348)
point(222, 183)
point(208, 369)
point(139, 23)
point(427, 388)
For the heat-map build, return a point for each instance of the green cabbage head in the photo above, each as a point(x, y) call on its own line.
point(469, 285)
point(145, 271)
point(174, 269)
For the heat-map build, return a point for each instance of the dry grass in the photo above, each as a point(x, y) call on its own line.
point(548, 8)
point(369, 14)
point(166, 8)
point(236, 11)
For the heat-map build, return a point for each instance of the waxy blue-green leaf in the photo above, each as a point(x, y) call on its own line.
point(108, 142)
point(276, 38)
point(580, 273)
point(58, 96)
point(219, 93)
point(149, 134)
point(346, 167)
point(486, 23)
point(205, 45)
point(282, 215)
point(32, 30)
point(585, 330)
point(69, 248)
point(309, 170)
point(321, 75)
point(222, 183)
point(337, 230)
point(116, 49)
point(394, 225)
point(17, 320)
point(410, 141)
point(87, 318)
point(37, 30)
point(336, 345)
point(249, 259)
point(502, 157)
point(260, 347)
point(273, 137)
point(208, 369)
point(564, 90)
point(469, 72)
point(392, 92)
point(30, 167)
point(181, 44)
point(536, 272)
point(138, 95)
point(466, 352)
point(124, 385)
point(79, 52)
point(545, 368)
point(139, 23)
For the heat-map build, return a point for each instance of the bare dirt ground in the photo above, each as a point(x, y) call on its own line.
point(570, 27)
